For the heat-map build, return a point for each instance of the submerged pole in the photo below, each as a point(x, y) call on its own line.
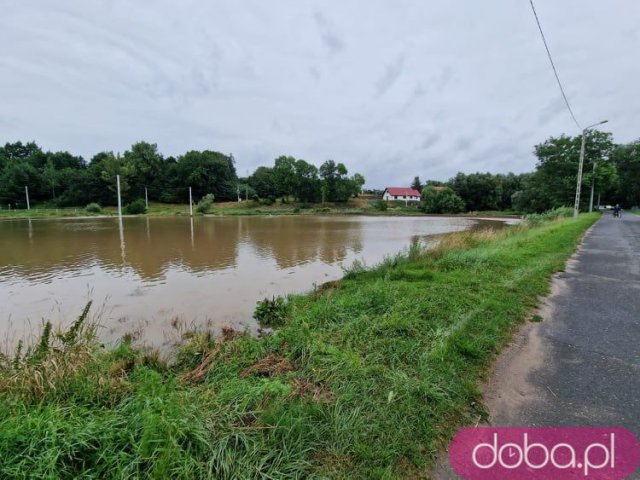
point(119, 200)
point(190, 203)
point(146, 197)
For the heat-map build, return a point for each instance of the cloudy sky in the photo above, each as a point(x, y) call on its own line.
point(393, 89)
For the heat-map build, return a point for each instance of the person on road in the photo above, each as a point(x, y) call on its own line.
point(617, 210)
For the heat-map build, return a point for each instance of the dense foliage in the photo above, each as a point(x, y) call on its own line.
point(441, 200)
point(614, 171)
point(63, 179)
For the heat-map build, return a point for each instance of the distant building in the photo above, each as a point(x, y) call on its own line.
point(401, 194)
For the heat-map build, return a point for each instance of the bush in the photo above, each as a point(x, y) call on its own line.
point(381, 205)
point(93, 208)
point(205, 203)
point(271, 313)
point(267, 201)
point(137, 207)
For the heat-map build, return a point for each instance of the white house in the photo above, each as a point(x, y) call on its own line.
point(401, 194)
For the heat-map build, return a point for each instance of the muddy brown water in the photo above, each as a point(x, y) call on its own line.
point(150, 275)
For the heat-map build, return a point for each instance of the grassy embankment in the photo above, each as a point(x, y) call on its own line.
point(356, 206)
point(367, 377)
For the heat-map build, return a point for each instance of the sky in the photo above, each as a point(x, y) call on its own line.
point(393, 89)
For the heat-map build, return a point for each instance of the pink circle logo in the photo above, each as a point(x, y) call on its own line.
point(544, 453)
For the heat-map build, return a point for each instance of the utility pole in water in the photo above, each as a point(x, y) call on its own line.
point(119, 200)
point(26, 192)
point(190, 203)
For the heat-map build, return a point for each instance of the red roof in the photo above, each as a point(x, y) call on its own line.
point(398, 191)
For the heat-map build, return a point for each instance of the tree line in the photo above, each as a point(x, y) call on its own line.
point(63, 179)
point(613, 170)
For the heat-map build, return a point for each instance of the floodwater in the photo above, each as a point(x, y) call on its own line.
point(149, 275)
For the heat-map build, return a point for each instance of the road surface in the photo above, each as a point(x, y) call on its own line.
point(580, 366)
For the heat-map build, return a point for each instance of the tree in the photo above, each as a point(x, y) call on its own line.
point(207, 172)
point(306, 182)
point(145, 163)
point(50, 176)
point(508, 185)
point(337, 186)
point(553, 184)
point(264, 183)
point(15, 176)
point(105, 167)
point(441, 200)
point(416, 184)
point(17, 151)
point(479, 191)
point(284, 174)
point(626, 158)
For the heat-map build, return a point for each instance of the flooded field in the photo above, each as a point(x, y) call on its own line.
point(151, 274)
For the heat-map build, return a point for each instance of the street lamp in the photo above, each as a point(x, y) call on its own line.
point(576, 207)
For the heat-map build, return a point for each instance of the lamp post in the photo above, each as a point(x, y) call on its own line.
point(576, 207)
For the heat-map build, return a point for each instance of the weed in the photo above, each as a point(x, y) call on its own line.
point(271, 313)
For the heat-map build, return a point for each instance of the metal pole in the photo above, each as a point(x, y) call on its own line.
point(146, 197)
point(119, 200)
point(26, 192)
point(598, 200)
point(190, 203)
point(576, 207)
point(593, 183)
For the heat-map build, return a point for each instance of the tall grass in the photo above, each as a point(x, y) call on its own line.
point(365, 378)
point(534, 219)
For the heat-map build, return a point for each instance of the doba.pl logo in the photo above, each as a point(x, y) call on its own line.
point(544, 453)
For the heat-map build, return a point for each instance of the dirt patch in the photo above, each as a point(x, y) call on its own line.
point(228, 334)
point(197, 374)
point(315, 391)
point(269, 366)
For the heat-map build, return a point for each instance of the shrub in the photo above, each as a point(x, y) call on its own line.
point(271, 313)
point(93, 208)
point(205, 203)
point(381, 205)
point(267, 201)
point(136, 207)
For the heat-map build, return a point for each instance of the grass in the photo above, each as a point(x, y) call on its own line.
point(368, 377)
point(356, 206)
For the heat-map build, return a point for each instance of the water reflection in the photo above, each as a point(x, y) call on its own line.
point(198, 269)
point(212, 243)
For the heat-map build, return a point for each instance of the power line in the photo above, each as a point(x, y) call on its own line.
point(544, 40)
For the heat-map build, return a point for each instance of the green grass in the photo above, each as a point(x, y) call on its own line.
point(368, 377)
point(250, 208)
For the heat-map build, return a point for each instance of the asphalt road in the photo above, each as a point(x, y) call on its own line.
point(589, 373)
point(580, 366)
